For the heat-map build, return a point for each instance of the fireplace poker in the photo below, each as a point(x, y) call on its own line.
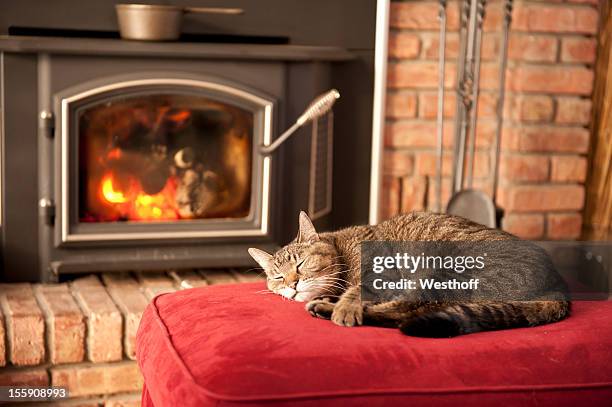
point(440, 113)
point(318, 107)
point(460, 91)
point(503, 61)
point(480, 10)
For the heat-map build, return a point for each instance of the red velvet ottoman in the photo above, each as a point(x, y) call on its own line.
point(230, 345)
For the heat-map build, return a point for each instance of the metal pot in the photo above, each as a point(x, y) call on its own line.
point(148, 22)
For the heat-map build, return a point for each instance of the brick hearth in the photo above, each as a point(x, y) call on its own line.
point(81, 334)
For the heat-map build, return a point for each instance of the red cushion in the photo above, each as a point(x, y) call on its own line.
point(231, 345)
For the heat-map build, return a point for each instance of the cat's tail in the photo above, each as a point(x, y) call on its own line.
point(459, 319)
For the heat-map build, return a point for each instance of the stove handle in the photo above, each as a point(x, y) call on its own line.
point(318, 107)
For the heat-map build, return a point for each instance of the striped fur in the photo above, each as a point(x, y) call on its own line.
point(324, 271)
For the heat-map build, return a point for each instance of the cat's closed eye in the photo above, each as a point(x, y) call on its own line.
point(277, 277)
point(300, 263)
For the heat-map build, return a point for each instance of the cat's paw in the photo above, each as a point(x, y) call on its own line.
point(320, 307)
point(348, 314)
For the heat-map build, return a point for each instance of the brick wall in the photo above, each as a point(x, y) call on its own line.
point(81, 335)
point(547, 111)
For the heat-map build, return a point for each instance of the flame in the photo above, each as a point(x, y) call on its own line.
point(114, 154)
point(180, 116)
point(134, 204)
point(109, 193)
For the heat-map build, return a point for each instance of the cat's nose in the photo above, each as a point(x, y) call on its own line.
point(293, 284)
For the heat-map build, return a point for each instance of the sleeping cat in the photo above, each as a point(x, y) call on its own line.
point(323, 270)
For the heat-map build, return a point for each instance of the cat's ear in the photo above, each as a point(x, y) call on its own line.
point(307, 232)
point(264, 259)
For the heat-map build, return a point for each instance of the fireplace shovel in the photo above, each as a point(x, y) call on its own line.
point(469, 203)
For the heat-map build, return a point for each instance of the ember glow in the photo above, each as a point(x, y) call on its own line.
point(109, 193)
point(134, 204)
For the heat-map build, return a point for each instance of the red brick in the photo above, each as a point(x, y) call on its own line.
point(187, 279)
point(542, 198)
point(423, 134)
point(578, 50)
point(525, 226)
point(547, 139)
point(551, 79)
point(564, 226)
point(153, 283)
point(25, 327)
point(401, 105)
point(431, 43)
point(24, 377)
point(426, 164)
point(432, 192)
point(97, 379)
point(568, 168)
point(403, 45)
point(493, 17)
point(122, 280)
point(104, 324)
point(428, 105)
point(218, 276)
point(573, 111)
point(489, 76)
point(412, 134)
point(521, 168)
point(16, 288)
point(533, 48)
point(132, 303)
point(535, 108)
point(421, 15)
point(248, 276)
point(83, 402)
point(64, 323)
point(554, 18)
point(390, 197)
point(90, 281)
point(413, 194)
point(398, 163)
point(123, 401)
point(418, 74)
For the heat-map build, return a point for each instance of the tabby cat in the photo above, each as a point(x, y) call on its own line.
point(323, 270)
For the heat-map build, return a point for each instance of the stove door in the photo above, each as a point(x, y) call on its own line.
point(161, 157)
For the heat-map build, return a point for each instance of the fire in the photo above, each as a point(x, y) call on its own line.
point(112, 196)
point(134, 204)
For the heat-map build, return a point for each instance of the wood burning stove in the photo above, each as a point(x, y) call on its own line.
point(147, 155)
point(161, 156)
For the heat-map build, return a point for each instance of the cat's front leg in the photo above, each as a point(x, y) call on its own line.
point(349, 310)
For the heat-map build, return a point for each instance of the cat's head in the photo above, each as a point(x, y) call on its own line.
point(306, 268)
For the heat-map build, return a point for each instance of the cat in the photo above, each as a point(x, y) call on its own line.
point(323, 270)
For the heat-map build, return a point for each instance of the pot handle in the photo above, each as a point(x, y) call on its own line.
point(213, 10)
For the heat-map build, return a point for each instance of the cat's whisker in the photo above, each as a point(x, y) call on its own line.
point(331, 284)
point(335, 279)
point(336, 273)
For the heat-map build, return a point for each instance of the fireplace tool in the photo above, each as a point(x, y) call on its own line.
point(317, 108)
point(470, 203)
point(321, 151)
